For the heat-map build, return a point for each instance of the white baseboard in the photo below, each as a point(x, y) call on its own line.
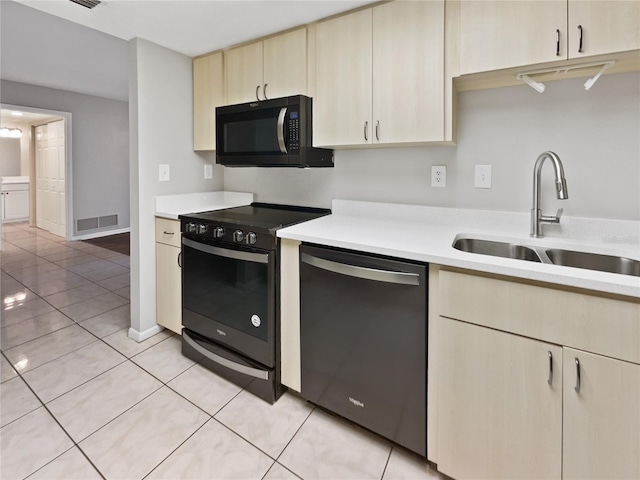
point(103, 233)
point(142, 336)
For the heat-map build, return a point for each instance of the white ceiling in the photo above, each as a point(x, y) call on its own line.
point(26, 117)
point(194, 27)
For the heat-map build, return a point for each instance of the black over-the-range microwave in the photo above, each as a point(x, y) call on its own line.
point(269, 133)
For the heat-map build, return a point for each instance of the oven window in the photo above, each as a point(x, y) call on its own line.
point(230, 291)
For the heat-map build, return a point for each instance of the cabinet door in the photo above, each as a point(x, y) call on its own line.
point(16, 204)
point(498, 415)
point(168, 288)
point(601, 421)
point(285, 64)
point(342, 103)
point(243, 71)
point(501, 34)
point(607, 26)
point(408, 72)
point(208, 93)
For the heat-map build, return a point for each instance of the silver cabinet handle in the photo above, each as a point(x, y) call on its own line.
point(378, 130)
point(558, 42)
point(180, 259)
point(168, 233)
point(253, 372)
point(402, 278)
point(258, 93)
point(580, 39)
point(280, 129)
point(577, 387)
point(550, 379)
point(366, 127)
point(264, 91)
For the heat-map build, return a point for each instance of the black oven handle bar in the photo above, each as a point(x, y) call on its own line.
point(228, 253)
point(253, 372)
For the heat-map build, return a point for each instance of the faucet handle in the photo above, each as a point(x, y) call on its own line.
point(549, 219)
point(559, 213)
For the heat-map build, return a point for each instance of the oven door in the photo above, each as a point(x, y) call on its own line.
point(228, 297)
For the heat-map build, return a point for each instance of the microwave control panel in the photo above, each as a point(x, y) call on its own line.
point(294, 131)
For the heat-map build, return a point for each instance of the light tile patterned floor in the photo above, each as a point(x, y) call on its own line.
point(80, 400)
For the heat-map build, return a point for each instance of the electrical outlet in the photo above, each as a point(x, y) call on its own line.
point(163, 174)
point(483, 176)
point(208, 171)
point(438, 176)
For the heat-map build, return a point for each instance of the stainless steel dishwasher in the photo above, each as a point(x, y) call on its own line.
point(363, 326)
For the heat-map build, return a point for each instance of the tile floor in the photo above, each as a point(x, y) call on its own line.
point(80, 400)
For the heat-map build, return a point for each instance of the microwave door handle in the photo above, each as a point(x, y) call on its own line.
point(281, 144)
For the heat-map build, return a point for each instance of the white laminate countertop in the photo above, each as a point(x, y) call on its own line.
point(426, 234)
point(171, 206)
point(12, 180)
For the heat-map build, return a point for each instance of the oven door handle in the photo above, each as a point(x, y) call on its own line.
point(377, 275)
point(228, 253)
point(253, 372)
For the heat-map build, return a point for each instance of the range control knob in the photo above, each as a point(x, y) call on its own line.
point(251, 238)
point(238, 235)
point(218, 232)
point(202, 228)
point(191, 227)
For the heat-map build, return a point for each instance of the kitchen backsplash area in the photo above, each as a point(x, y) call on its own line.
point(594, 132)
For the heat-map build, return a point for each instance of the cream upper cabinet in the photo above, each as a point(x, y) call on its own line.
point(498, 34)
point(272, 68)
point(380, 76)
point(605, 26)
point(500, 404)
point(208, 93)
point(601, 418)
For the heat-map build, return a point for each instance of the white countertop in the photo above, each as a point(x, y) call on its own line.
point(426, 234)
point(171, 206)
point(18, 179)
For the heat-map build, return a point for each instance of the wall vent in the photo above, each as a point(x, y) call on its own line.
point(96, 222)
point(90, 4)
point(108, 221)
point(87, 224)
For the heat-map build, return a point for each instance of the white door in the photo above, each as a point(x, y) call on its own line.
point(50, 177)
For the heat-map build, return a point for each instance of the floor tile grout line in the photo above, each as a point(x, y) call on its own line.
point(384, 470)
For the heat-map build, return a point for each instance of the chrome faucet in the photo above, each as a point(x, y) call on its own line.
point(537, 219)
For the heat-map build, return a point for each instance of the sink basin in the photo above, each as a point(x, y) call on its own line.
point(593, 261)
point(497, 249)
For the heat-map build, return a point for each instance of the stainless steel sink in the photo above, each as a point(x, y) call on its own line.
point(497, 249)
point(555, 256)
point(594, 261)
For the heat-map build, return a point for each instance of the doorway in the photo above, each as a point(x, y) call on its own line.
point(47, 136)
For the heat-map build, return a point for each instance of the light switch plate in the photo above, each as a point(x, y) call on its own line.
point(163, 174)
point(438, 176)
point(482, 176)
point(208, 171)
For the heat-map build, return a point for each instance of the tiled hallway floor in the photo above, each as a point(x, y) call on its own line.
point(80, 400)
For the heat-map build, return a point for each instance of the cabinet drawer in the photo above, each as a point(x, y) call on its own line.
point(597, 324)
point(168, 231)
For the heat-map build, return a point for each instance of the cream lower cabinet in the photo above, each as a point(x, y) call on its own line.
point(380, 76)
point(500, 402)
point(601, 417)
point(168, 275)
point(532, 380)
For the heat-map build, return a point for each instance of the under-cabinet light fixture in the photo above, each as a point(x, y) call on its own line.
point(539, 86)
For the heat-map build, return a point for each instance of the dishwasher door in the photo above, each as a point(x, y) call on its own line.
point(363, 326)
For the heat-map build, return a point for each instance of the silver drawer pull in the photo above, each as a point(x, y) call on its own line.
point(403, 278)
point(577, 387)
point(550, 379)
point(168, 233)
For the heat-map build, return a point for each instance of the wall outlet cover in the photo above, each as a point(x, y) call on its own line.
point(164, 173)
point(438, 176)
point(482, 177)
point(208, 171)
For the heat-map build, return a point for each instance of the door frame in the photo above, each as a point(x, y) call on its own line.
point(68, 174)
